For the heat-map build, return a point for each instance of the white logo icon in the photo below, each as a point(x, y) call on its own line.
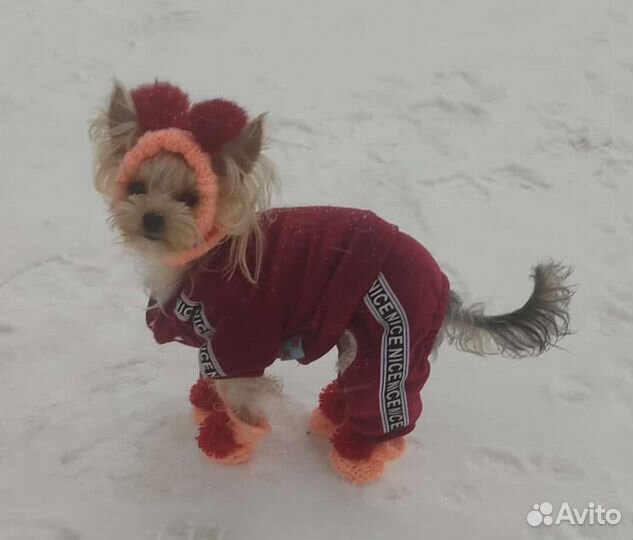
point(593, 514)
point(540, 515)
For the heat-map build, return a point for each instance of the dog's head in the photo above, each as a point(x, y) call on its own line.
point(179, 178)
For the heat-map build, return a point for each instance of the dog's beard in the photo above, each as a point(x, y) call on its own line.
point(179, 233)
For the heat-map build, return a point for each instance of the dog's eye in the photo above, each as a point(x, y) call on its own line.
point(190, 199)
point(137, 188)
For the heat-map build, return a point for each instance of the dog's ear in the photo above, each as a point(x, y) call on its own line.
point(243, 151)
point(113, 132)
point(122, 125)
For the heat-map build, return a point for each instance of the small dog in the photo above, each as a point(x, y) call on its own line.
point(189, 190)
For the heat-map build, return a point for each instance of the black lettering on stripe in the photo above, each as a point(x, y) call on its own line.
point(187, 310)
point(394, 355)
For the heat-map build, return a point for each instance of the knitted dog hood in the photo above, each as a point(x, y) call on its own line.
point(167, 122)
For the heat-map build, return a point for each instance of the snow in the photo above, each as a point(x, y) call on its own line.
point(496, 132)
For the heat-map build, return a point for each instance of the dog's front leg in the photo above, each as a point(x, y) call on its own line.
point(231, 432)
point(247, 397)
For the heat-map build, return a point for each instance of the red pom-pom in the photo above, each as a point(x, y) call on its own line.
point(331, 402)
point(216, 438)
point(203, 396)
point(217, 122)
point(352, 445)
point(213, 123)
point(161, 105)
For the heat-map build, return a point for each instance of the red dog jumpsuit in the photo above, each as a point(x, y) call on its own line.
point(325, 271)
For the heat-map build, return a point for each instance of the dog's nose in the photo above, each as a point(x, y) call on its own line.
point(153, 222)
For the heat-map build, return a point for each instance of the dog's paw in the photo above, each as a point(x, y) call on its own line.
point(189, 531)
point(357, 471)
point(226, 440)
point(321, 425)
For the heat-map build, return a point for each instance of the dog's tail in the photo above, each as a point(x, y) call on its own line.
point(528, 331)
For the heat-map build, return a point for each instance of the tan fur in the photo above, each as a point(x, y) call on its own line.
point(246, 181)
point(113, 132)
point(245, 187)
point(248, 396)
point(347, 350)
point(167, 178)
point(245, 150)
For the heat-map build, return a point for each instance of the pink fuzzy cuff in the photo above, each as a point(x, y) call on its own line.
point(179, 142)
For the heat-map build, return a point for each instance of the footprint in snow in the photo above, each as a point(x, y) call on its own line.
point(395, 81)
point(627, 65)
point(617, 16)
point(622, 400)
point(560, 469)
point(570, 390)
point(296, 124)
point(552, 533)
point(459, 493)
point(7, 329)
point(516, 175)
point(395, 493)
point(614, 165)
point(461, 82)
point(441, 108)
point(359, 117)
point(616, 308)
point(174, 16)
point(490, 460)
point(626, 366)
point(189, 531)
point(463, 184)
point(37, 530)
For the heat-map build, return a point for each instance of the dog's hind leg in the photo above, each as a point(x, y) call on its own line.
point(330, 413)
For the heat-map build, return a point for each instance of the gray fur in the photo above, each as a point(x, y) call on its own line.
point(529, 331)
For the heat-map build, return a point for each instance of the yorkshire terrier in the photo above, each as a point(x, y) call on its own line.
point(189, 189)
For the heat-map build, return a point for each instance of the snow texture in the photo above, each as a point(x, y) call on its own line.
point(497, 132)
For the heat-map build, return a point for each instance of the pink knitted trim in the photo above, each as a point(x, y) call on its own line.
point(321, 424)
point(180, 142)
point(357, 471)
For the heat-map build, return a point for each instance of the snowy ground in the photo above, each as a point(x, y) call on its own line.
point(498, 132)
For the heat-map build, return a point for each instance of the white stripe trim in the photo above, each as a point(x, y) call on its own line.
point(382, 287)
point(206, 334)
point(381, 401)
point(214, 359)
point(407, 342)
